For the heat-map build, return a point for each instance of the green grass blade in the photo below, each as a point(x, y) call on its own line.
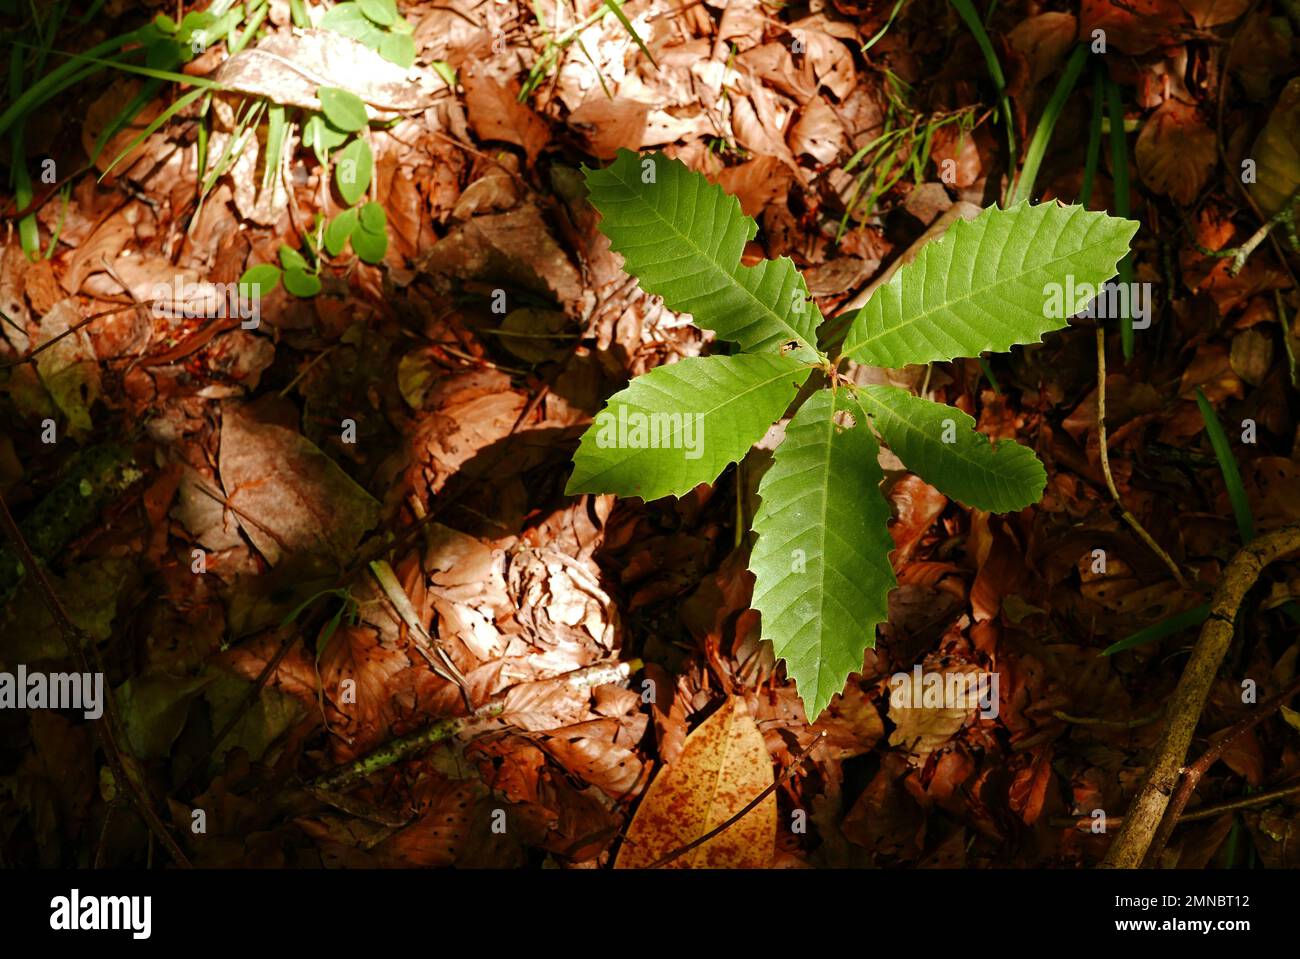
point(885, 29)
point(153, 127)
point(616, 8)
point(1024, 188)
point(58, 80)
point(1228, 467)
point(1166, 627)
point(968, 14)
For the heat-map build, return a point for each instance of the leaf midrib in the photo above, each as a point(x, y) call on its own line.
point(915, 428)
point(732, 398)
point(948, 305)
point(717, 265)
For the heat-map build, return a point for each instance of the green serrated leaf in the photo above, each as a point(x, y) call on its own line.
point(821, 561)
point(682, 237)
point(353, 166)
point(941, 445)
point(680, 425)
point(985, 285)
point(340, 231)
point(343, 109)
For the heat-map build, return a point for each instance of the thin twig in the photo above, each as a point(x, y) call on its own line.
point(79, 325)
point(1193, 773)
point(396, 750)
point(1239, 576)
point(1085, 823)
point(1105, 465)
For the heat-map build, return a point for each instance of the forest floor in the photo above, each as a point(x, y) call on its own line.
point(259, 532)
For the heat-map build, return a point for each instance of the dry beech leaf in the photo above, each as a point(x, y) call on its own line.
point(1175, 151)
point(922, 729)
point(609, 124)
point(1043, 41)
point(290, 68)
point(723, 766)
point(496, 114)
point(288, 495)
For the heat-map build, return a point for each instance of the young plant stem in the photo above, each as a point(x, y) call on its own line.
point(1128, 517)
point(1119, 173)
point(1144, 815)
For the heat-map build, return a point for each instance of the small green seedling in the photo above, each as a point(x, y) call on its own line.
point(821, 557)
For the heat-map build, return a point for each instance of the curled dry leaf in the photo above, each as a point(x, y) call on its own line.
point(1175, 151)
point(921, 723)
point(723, 767)
point(817, 133)
point(69, 368)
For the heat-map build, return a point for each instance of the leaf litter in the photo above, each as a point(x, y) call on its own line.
point(465, 415)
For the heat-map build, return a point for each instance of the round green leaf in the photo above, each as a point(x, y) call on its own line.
point(164, 54)
point(339, 230)
point(373, 218)
point(370, 245)
point(353, 166)
point(301, 283)
point(345, 110)
point(291, 259)
point(347, 19)
point(398, 48)
point(265, 277)
point(382, 12)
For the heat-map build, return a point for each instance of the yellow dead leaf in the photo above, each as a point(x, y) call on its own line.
point(723, 766)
